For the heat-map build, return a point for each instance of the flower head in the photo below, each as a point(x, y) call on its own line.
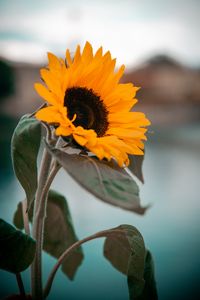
point(86, 101)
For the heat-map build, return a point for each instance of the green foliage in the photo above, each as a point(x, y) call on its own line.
point(149, 291)
point(124, 246)
point(59, 233)
point(18, 217)
point(7, 126)
point(135, 166)
point(25, 145)
point(7, 80)
point(127, 253)
point(17, 249)
point(105, 180)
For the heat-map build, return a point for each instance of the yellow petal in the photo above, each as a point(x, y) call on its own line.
point(126, 117)
point(77, 55)
point(122, 106)
point(120, 73)
point(54, 62)
point(98, 151)
point(68, 57)
point(126, 129)
point(98, 54)
point(81, 140)
point(129, 133)
point(52, 83)
point(49, 114)
point(64, 131)
point(45, 94)
point(87, 54)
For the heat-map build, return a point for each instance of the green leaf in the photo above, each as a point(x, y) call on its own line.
point(25, 145)
point(135, 166)
point(120, 249)
point(127, 254)
point(149, 290)
point(59, 233)
point(17, 249)
point(105, 180)
point(18, 217)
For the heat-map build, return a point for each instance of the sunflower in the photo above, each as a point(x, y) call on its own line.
point(87, 102)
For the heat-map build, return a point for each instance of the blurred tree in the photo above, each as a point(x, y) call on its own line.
point(7, 80)
point(7, 123)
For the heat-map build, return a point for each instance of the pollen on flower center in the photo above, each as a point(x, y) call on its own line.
point(90, 110)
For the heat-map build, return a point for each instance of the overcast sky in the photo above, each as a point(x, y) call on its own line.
point(133, 30)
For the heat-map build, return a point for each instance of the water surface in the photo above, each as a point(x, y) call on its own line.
point(170, 228)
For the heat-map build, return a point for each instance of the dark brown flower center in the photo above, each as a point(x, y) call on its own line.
point(90, 110)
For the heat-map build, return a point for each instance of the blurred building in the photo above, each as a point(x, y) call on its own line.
point(24, 99)
point(169, 91)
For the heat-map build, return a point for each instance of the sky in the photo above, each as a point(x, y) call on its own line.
point(133, 30)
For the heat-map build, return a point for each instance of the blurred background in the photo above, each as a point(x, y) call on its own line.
point(159, 43)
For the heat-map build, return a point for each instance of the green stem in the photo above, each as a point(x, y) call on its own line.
point(25, 217)
point(68, 251)
point(39, 233)
point(20, 285)
point(36, 271)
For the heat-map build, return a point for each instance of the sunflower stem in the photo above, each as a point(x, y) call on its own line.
point(25, 216)
point(45, 179)
point(20, 285)
point(68, 251)
point(36, 272)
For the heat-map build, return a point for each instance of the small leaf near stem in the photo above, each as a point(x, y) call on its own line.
point(68, 251)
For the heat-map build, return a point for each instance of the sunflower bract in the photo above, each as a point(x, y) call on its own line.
point(86, 101)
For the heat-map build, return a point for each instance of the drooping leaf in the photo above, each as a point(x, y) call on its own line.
point(149, 290)
point(59, 233)
point(126, 247)
point(135, 166)
point(24, 150)
point(128, 255)
point(106, 180)
point(17, 249)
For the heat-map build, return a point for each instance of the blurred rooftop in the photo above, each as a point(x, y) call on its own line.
point(170, 92)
